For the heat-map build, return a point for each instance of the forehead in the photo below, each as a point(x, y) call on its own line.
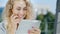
point(20, 3)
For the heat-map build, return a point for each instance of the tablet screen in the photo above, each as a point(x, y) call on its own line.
point(26, 25)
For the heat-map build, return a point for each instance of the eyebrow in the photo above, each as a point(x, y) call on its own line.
point(20, 7)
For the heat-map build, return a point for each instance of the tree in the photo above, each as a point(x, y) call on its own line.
point(50, 20)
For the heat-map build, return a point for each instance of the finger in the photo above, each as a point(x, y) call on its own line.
point(32, 31)
point(36, 32)
point(17, 20)
point(14, 17)
point(37, 29)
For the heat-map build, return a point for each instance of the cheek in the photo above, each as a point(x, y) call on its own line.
point(25, 13)
point(22, 13)
point(15, 11)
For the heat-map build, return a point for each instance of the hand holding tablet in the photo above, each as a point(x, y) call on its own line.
point(26, 25)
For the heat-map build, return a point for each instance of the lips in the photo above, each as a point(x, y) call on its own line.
point(20, 16)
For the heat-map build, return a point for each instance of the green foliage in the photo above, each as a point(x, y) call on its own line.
point(42, 26)
point(40, 17)
point(50, 26)
point(49, 17)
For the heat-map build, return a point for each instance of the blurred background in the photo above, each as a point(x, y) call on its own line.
point(44, 10)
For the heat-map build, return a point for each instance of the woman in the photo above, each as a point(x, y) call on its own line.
point(14, 12)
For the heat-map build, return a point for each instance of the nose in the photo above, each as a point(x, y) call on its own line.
point(21, 12)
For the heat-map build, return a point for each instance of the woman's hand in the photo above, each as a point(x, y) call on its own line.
point(34, 31)
point(14, 20)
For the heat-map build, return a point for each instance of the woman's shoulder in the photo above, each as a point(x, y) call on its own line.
point(1, 24)
point(2, 29)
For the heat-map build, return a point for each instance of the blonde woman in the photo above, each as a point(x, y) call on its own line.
point(13, 13)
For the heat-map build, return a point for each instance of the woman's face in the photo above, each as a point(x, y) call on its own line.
point(19, 8)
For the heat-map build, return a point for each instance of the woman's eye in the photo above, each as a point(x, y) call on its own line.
point(25, 9)
point(18, 9)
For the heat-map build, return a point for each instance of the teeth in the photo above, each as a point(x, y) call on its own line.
point(20, 16)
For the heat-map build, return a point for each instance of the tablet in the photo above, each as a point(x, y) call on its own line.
point(26, 25)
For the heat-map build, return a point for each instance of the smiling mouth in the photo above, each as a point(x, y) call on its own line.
point(20, 16)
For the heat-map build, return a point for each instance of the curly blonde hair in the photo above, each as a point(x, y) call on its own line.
point(8, 11)
point(9, 6)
